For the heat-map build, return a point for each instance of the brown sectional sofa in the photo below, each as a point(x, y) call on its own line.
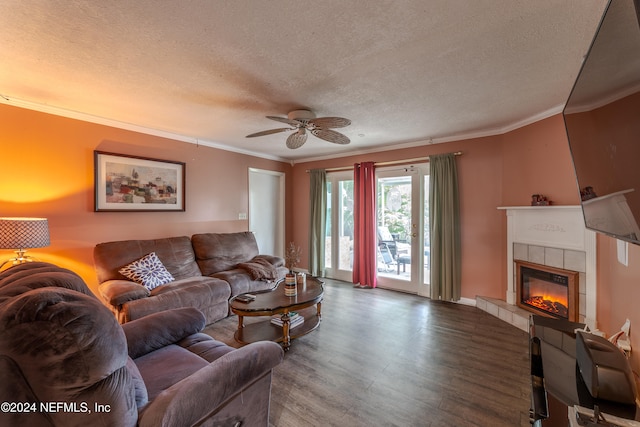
point(206, 268)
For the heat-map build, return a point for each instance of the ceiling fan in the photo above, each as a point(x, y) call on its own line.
point(302, 121)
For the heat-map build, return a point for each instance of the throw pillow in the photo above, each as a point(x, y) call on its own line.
point(148, 271)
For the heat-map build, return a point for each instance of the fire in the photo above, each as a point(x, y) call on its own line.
point(550, 304)
point(554, 298)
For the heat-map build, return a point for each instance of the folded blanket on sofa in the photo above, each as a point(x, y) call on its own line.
point(259, 269)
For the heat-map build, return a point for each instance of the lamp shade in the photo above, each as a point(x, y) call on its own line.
point(24, 233)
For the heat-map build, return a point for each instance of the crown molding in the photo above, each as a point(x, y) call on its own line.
point(57, 111)
point(457, 137)
point(70, 114)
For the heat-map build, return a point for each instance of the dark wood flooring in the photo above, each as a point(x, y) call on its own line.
point(384, 358)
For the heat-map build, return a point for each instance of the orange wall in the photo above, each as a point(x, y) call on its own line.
point(536, 160)
point(46, 170)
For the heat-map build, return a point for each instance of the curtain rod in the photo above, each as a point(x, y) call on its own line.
point(389, 163)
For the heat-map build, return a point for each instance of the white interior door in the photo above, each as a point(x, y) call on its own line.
point(266, 210)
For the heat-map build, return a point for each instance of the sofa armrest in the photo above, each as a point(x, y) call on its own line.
point(117, 292)
point(197, 396)
point(161, 329)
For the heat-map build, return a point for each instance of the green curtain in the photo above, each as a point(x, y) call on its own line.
point(444, 227)
point(317, 220)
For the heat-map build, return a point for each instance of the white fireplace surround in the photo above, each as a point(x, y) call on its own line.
point(553, 236)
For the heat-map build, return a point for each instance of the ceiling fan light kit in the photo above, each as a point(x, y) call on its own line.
point(302, 121)
point(301, 115)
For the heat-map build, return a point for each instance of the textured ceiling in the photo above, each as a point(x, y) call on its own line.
point(209, 71)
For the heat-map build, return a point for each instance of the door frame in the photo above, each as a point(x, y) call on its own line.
point(334, 272)
point(416, 284)
point(274, 210)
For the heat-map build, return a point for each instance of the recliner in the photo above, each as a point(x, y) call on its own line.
point(66, 361)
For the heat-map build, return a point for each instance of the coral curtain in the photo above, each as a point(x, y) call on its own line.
point(364, 212)
point(317, 221)
point(444, 227)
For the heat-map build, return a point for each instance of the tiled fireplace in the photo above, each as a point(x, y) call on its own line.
point(553, 237)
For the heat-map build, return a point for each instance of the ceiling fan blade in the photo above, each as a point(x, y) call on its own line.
point(330, 122)
point(268, 132)
point(331, 136)
point(296, 140)
point(294, 123)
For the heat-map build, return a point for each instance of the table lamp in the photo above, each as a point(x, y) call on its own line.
point(21, 234)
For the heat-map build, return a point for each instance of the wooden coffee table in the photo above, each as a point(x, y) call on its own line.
point(274, 301)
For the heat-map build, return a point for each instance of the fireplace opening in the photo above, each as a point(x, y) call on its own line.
point(547, 290)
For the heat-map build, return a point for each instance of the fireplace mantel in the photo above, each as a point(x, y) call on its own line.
point(553, 227)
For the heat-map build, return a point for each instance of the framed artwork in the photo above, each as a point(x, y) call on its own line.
point(140, 184)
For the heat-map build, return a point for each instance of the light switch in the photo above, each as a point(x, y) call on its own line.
point(242, 215)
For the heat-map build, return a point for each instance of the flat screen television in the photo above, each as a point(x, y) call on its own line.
point(602, 119)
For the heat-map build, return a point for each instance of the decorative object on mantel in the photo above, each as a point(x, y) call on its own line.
point(291, 258)
point(587, 193)
point(539, 200)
